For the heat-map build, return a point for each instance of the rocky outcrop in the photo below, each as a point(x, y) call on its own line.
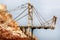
point(11, 35)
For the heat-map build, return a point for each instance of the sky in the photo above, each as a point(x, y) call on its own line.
point(46, 8)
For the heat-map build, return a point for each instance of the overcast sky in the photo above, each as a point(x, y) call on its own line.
point(46, 8)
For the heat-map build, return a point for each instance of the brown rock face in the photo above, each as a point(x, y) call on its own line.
point(7, 35)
